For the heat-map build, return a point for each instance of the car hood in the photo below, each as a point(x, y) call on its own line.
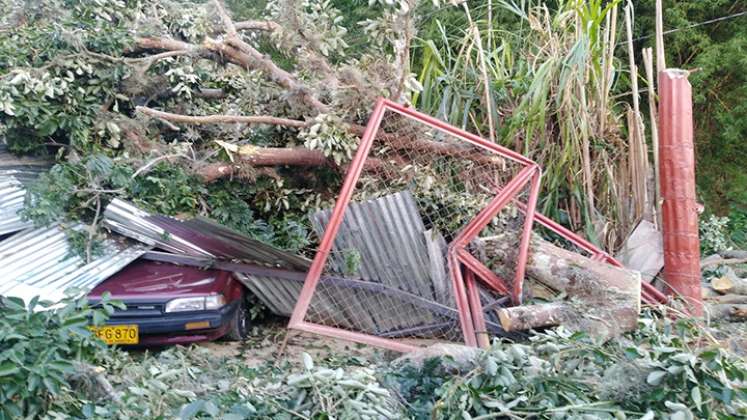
point(153, 281)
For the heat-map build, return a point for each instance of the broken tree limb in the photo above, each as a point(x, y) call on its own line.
point(275, 156)
point(245, 57)
point(257, 25)
point(220, 119)
point(722, 261)
point(728, 299)
point(527, 317)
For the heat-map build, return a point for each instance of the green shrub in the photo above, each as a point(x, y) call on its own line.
point(40, 342)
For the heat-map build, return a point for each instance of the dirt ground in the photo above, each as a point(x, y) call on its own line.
point(267, 343)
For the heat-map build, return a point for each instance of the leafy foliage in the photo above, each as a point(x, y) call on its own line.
point(40, 342)
point(661, 371)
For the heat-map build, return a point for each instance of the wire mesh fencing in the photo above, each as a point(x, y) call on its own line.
point(400, 252)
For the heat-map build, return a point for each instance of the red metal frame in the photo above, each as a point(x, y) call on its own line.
point(464, 268)
point(467, 299)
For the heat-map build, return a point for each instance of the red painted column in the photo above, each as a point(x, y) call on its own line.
point(677, 175)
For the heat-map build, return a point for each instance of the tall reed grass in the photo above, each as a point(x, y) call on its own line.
point(554, 90)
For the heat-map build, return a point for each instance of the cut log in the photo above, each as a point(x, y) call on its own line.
point(726, 312)
point(529, 317)
point(605, 300)
point(730, 283)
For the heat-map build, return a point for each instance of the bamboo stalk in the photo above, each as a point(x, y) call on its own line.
point(661, 64)
point(637, 134)
point(609, 69)
point(648, 62)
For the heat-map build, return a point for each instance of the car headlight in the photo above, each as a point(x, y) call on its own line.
point(200, 303)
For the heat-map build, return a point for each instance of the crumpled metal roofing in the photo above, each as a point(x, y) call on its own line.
point(39, 262)
point(15, 174)
point(12, 195)
point(400, 259)
point(200, 237)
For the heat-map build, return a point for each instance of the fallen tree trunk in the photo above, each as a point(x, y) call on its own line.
point(602, 299)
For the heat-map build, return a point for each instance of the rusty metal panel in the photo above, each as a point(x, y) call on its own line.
point(677, 175)
point(40, 262)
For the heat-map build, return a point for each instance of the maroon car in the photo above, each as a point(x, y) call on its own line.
point(169, 304)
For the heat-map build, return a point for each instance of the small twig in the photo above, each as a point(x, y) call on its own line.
point(148, 165)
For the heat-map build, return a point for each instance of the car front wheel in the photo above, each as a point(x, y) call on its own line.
point(239, 327)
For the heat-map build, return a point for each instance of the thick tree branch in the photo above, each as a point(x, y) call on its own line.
point(220, 119)
point(256, 60)
point(260, 157)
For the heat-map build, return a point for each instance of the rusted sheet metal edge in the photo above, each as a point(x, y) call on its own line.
point(40, 262)
point(198, 237)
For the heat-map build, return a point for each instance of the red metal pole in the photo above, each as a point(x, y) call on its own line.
point(478, 317)
point(677, 175)
point(356, 166)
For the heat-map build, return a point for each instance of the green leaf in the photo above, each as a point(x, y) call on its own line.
point(697, 397)
point(656, 377)
point(8, 368)
point(190, 410)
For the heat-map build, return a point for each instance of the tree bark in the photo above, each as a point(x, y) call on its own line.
point(733, 312)
point(603, 300)
point(730, 284)
point(527, 317)
point(221, 119)
point(276, 156)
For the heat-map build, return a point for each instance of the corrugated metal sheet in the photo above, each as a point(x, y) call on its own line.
point(12, 194)
point(24, 169)
point(15, 174)
point(39, 262)
point(401, 284)
point(394, 246)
